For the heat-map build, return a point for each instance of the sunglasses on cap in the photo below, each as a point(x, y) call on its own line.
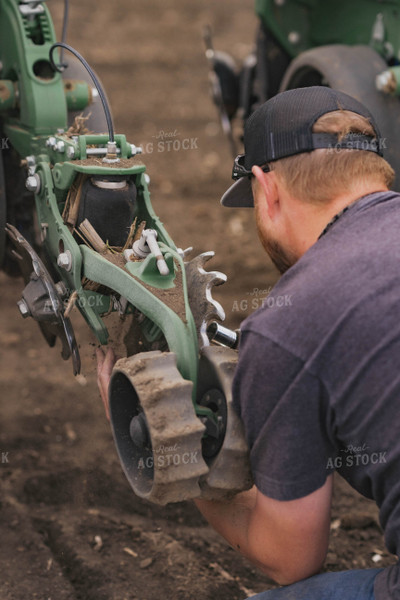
point(239, 170)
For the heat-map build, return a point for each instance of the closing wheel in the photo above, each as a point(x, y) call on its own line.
point(352, 69)
point(42, 300)
point(155, 428)
point(225, 449)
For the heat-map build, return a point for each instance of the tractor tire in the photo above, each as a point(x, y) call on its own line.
point(352, 69)
point(16, 207)
point(3, 213)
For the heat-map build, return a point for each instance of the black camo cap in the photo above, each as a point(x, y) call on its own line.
point(282, 127)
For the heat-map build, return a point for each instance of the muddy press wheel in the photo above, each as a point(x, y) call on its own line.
point(155, 428)
point(225, 450)
point(352, 69)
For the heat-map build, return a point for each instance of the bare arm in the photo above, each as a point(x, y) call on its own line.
point(287, 540)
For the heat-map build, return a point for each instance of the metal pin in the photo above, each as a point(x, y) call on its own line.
point(148, 243)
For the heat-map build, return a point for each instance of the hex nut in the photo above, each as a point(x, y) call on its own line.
point(70, 152)
point(64, 260)
point(33, 183)
point(60, 146)
point(23, 308)
point(51, 141)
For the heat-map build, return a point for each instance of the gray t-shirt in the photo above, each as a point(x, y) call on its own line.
point(318, 380)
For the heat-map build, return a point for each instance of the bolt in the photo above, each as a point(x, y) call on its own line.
point(23, 308)
point(32, 183)
point(294, 37)
point(31, 164)
point(51, 141)
point(61, 288)
point(30, 161)
point(64, 260)
point(60, 146)
point(280, 2)
point(70, 152)
point(136, 150)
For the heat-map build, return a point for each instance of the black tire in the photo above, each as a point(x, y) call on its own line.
point(16, 207)
point(352, 69)
point(225, 70)
point(3, 213)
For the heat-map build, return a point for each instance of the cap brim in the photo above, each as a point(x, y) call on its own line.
point(239, 194)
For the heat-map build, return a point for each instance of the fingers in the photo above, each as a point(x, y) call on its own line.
point(100, 356)
point(105, 364)
point(109, 362)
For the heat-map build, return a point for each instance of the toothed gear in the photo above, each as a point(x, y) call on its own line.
point(155, 428)
point(203, 306)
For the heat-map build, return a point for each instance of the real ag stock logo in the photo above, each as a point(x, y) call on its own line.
point(170, 141)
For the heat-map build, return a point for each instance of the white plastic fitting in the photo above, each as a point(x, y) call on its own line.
point(148, 243)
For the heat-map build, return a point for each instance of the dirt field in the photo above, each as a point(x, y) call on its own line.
point(70, 527)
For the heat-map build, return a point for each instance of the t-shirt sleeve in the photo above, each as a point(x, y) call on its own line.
point(286, 416)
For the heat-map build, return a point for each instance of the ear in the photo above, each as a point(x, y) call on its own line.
point(268, 191)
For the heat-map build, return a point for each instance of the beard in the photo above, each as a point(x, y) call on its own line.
point(282, 259)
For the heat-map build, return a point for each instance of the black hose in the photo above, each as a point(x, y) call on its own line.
point(64, 33)
point(94, 79)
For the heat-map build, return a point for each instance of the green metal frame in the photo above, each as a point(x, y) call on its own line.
point(322, 22)
point(33, 115)
point(24, 51)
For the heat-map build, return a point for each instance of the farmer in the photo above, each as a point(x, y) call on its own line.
point(318, 379)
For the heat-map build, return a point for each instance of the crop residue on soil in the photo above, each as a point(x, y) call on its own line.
point(70, 526)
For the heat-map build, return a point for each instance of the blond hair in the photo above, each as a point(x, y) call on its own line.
point(322, 175)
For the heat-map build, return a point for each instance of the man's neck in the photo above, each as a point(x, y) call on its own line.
point(310, 220)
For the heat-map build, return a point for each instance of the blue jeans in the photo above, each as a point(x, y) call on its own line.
point(343, 585)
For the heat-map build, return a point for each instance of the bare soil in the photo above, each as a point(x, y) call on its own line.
point(70, 527)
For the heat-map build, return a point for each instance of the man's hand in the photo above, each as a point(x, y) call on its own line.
point(105, 364)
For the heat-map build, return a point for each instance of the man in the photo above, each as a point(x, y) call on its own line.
point(318, 377)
